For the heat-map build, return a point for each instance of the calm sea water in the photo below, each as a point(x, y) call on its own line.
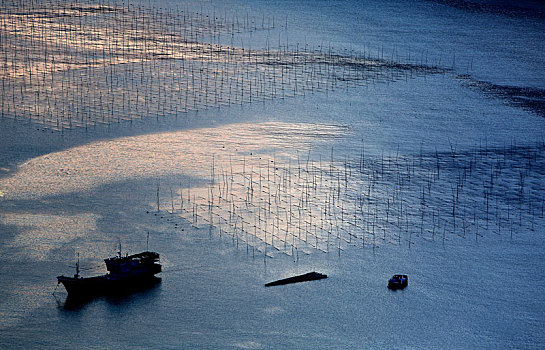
point(84, 191)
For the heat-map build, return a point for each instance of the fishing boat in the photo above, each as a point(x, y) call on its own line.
point(310, 276)
point(398, 282)
point(125, 273)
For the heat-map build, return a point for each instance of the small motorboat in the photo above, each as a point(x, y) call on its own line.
point(398, 282)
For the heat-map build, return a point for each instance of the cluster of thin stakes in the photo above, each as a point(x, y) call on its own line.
point(67, 65)
point(294, 207)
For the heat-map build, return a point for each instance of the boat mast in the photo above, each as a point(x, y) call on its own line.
point(77, 268)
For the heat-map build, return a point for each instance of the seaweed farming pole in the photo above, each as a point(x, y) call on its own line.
point(158, 198)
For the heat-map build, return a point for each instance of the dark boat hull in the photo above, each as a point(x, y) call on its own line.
point(105, 285)
point(397, 285)
point(295, 279)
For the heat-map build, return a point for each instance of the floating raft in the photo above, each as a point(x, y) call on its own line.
point(295, 279)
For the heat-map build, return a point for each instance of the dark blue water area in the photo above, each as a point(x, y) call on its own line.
point(463, 293)
point(503, 47)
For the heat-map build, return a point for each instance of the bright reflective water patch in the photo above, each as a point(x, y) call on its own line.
point(164, 154)
point(39, 234)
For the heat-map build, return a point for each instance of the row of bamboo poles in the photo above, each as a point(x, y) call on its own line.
point(315, 203)
point(67, 65)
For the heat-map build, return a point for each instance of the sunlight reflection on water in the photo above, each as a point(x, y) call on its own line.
point(164, 154)
point(41, 233)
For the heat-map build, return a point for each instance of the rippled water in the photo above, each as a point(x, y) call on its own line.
point(157, 155)
point(83, 191)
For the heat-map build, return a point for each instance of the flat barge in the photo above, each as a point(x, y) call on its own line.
point(295, 279)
